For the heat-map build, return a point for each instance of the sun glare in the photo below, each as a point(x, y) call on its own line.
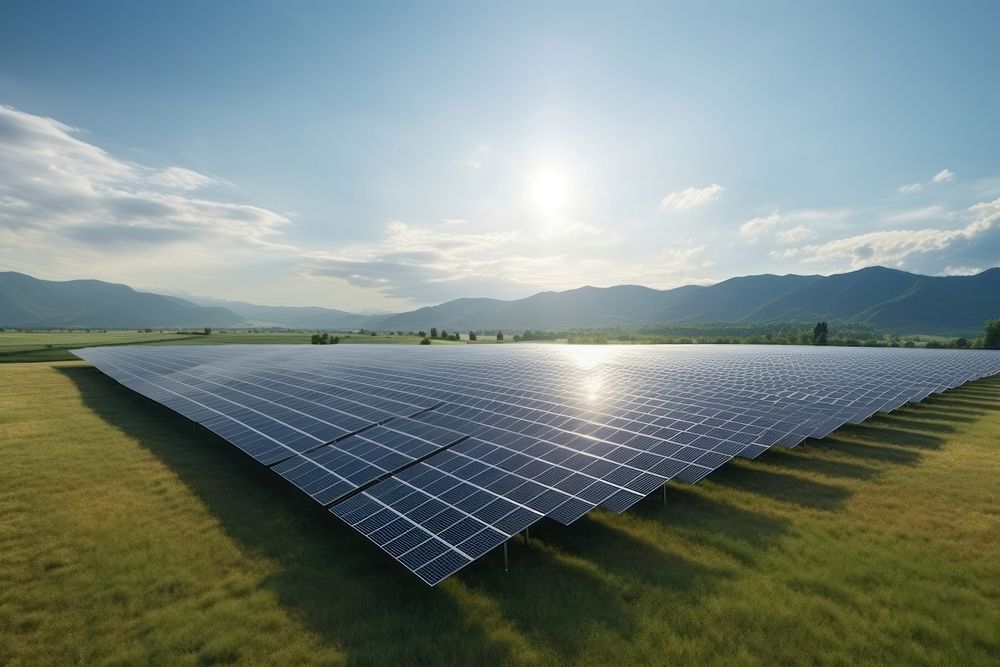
point(550, 191)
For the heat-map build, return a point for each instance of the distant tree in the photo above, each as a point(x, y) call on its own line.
point(909, 343)
point(472, 336)
point(517, 338)
point(422, 334)
point(334, 340)
point(499, 335)
point(425, 341)
point(444, 334)
point(820, 332)
point(324, 339)
point(962, 343)
point(315, 339)
point(991, 335)
point(208, 330)
point(933, 343)
point(434, 332)
point(374, 334)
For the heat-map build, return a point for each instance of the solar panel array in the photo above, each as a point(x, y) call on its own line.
point(440, 454)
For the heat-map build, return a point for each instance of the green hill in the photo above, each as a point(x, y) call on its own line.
point(30, 302)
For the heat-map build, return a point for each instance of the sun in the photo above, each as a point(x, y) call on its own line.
point(550, 190)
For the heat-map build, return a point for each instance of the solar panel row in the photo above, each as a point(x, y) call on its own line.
point(439, 454)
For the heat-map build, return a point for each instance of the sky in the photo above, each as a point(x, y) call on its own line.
point(380, 156)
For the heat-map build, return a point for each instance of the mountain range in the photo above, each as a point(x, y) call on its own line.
point(888, 300)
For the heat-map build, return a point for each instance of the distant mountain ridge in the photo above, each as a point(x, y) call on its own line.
point(888, 300)
point(29, 302)
point(297, 317)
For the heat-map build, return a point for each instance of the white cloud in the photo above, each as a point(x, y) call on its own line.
point(683, 263)
point(757, 227)
point(430, 263)
point(963, 270)
point(66, 206)
point(919, 249)
point(182, 179)
point(691, 197)
point(912, 215)
point(794, 235)
point(943, 176)
point(788, 227)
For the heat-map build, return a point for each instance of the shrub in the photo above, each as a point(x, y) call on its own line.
point(820, 332)
point(991, 334)
point(425, 341)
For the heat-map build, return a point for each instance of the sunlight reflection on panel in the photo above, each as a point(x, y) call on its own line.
point(589, 357)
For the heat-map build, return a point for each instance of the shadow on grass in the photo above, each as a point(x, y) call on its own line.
point(870, 452)
point(924, 413)
point(780, 486)
point(913, 420)
point(795, 460)
point(971, 404)
point(871, 430)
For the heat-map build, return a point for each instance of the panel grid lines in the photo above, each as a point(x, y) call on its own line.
point(438, 454)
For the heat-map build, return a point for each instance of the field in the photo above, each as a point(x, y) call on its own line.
point(127, 537)
point(18, 346)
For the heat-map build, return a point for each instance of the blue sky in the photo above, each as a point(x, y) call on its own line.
point(378, 156)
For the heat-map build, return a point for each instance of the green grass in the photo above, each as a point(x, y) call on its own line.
point(297, 338)
point(127, 539)
point(16, 346)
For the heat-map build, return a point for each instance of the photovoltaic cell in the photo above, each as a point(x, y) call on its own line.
point(440, 454)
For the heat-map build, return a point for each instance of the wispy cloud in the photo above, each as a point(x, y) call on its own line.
point(794, 235)
point(65, 203)
point(943, 176)
point(755, 228)
point(476, 161)
point(936, 212)
point(691, 197)
point(789, 227)
point(917, 249)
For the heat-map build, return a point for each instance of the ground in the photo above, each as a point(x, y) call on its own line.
point(129, 537)
point(17, 346)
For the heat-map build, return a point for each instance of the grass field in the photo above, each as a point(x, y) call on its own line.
point(296, 338)
point(16, 346)
point(127, 539)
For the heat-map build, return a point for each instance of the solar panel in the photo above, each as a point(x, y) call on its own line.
point(440, 454)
